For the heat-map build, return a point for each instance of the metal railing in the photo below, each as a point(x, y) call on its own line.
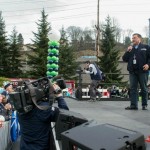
point(5, 136)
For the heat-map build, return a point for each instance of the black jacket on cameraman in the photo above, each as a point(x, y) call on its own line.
point(35, 126)
point(142, 54)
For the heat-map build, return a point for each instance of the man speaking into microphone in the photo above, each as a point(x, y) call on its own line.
point(138, 58)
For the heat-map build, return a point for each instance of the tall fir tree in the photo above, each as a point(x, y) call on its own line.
point(15, 55)
point(20, 39)
point(108, 62)
point(4, 51)
point(38, 60)
point(127, 41)
point(67, 58)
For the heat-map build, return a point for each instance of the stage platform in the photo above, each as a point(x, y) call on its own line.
point(113, 112)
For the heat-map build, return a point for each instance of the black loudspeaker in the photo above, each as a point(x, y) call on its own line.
point(94, 136)
point(67, 120)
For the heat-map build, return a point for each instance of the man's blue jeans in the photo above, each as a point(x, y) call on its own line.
point(142, 79)
point(92, 90)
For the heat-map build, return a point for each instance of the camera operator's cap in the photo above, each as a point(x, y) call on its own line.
point(6, 84)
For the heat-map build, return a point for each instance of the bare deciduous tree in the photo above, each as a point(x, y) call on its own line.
point(74, 32)
point(146, 31)
point(117, 29)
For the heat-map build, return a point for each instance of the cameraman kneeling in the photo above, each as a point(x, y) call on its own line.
point(35, 126)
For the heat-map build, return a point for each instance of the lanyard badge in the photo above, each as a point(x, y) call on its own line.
point(134, 59)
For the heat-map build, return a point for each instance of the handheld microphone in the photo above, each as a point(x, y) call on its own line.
point(130, 47)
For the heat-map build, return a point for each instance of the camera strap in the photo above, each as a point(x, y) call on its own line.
point(33, 96)
point(45, 107)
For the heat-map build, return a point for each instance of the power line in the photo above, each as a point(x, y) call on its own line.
point(20, 2)
point(66, 10)
point(49, 12)
point(87, 2)
point(83, 15)
point(72, 16)
point(74, 9)
point(58, 18)
point(25, 1)
point(73, 4)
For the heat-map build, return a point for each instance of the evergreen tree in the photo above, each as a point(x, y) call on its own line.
point(67, 60)
point(108, 62)
point(20, 39)
point(127, 41)
point(4, 51)
point(15, 61)
point(38, 60)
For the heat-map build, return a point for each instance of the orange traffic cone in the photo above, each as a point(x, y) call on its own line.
point(147, 139)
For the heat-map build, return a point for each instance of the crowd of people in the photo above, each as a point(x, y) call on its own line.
point(5, 104)
point(115, 91)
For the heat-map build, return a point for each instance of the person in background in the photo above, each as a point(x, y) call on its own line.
point(8, 89)
point(5, 108)
point(124, 92)
point(138, 58)
point(95, 74)
point(2, 119)
point(1, 124)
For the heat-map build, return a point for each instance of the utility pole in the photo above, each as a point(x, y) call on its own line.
point(97, 32)
point(149, 33)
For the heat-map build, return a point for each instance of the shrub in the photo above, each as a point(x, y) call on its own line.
point(2, 79)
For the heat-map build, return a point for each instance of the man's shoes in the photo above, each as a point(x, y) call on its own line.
point(92, 100)
point(144, 107)
point(131, 108)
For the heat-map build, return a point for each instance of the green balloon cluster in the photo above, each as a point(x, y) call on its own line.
point(52, 59)
point(53, 51)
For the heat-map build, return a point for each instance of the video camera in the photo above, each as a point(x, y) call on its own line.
point(79, 70)
point(29, 94)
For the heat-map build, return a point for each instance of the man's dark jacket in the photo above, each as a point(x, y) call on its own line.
point(142, 56)
point(35, 127)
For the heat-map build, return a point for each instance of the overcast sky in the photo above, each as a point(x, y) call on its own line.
point(130, 14)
